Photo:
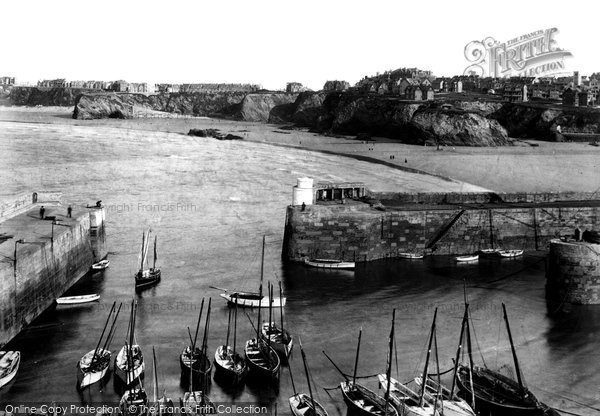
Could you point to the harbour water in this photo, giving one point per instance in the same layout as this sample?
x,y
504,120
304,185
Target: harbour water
x,y
210,202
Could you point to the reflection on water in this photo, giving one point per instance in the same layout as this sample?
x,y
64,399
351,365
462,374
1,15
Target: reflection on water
x,y
210,203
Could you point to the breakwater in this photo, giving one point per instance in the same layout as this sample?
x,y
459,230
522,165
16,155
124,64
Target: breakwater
x,y
436,224
43,258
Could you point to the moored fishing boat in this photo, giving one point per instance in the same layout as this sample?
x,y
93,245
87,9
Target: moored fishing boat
x,y
490,392
74,300
251,299
300,403
277,336
196,368
452,404
230,366
101,265
9,366
359,399
330,264
129,362
147,277
134,402
94,365
197,403
362,401
404,399
263,362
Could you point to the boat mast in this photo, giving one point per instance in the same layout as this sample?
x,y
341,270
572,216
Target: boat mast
x,y
356,360
111,332
281,314
191,360
470,352
514,352
389,366
312,399
206,326
422,398
198,325
103,330
262,264
228,331
154,262
235,327
459,349
439,377
155,390
142,254
270,314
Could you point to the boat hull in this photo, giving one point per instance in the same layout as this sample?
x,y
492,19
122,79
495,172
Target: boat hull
x,y
489,387
198,403
364,402
259,367
101,265
12,359
251,302
86,375
405,400
466,259
282,344
134,402
230,367
410,256
301,403
74,300
201,372
330,264
147,278
122,368
451,406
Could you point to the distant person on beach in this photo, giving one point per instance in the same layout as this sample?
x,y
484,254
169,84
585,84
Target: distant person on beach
x,y
42,211
69,211
98,204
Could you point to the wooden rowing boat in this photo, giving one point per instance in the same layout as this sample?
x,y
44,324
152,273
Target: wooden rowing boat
x,y
9,365
510,253
467,258
73,300
410,256
101,265
330,264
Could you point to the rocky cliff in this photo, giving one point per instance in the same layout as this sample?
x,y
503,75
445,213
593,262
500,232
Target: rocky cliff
x,y
410,122
45,96
236,105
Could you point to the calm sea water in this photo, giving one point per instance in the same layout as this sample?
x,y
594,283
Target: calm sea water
x,y
210,203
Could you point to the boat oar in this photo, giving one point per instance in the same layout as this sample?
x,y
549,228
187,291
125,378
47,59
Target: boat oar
x,y
219,288
336,367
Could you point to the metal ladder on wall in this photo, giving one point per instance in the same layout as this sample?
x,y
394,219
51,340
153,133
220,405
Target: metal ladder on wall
x,y
443,230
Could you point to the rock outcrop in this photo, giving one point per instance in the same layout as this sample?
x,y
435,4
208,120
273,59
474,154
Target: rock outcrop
x,y
258,107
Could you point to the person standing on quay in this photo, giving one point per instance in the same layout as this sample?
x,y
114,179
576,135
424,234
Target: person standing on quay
x,y
69,211
42,211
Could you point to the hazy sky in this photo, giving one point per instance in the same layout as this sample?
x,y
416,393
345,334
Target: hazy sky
x,y
270,42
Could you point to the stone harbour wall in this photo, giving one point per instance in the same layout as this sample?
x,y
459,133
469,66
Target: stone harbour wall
x,y
573,272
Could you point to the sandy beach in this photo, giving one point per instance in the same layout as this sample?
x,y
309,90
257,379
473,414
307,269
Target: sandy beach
x,y
529,166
